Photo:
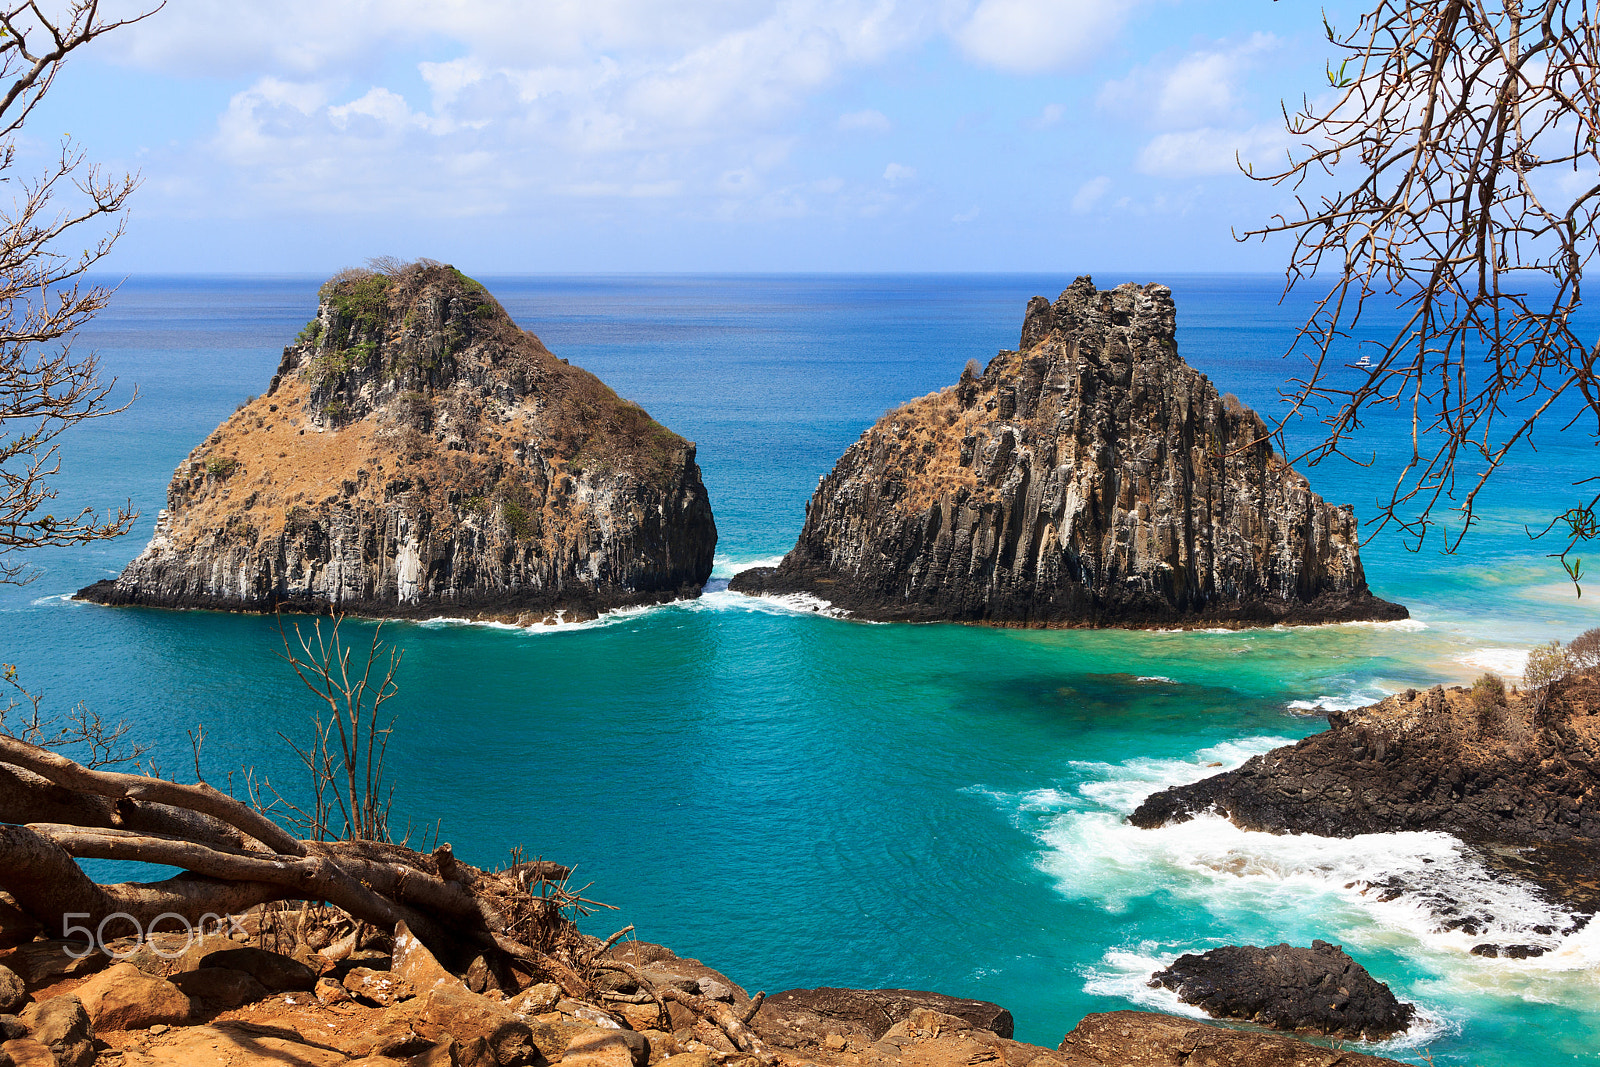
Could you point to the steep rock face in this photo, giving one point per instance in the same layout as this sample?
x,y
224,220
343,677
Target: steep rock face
x,y
1431,760
1091,478
419,454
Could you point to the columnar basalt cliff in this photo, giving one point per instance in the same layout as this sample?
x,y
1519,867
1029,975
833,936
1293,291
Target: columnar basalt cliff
x,y
419,454
1091,478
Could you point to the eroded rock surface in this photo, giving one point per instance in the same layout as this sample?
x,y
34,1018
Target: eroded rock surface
x,y
1319,989
1425,760
1091,478
1517,782
419,454
869,1013
1146,1039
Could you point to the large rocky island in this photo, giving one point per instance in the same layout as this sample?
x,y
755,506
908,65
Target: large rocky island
x,y
1090,478
419,454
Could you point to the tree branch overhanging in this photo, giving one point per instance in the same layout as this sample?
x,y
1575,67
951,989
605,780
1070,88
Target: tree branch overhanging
x,y
1466,135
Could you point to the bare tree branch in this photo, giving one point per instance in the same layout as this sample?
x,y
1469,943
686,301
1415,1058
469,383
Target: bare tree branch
x,y
1471,133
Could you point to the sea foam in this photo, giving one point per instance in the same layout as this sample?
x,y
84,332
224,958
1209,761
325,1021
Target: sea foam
x,y
1423,895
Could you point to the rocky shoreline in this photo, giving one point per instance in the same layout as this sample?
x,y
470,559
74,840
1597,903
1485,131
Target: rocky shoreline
x,y
227,1001
1089,478
1518,783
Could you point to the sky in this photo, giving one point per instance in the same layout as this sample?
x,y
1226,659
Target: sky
x,y
277,136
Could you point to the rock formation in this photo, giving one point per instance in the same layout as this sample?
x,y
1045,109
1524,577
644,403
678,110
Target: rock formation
x,y
1091,478
341,1019
1519,781
419,454
871,1013
1319,990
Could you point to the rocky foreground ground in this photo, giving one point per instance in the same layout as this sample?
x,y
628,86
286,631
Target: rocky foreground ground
x,y
230,1002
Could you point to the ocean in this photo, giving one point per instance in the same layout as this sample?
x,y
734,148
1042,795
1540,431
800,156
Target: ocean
x,y
804,800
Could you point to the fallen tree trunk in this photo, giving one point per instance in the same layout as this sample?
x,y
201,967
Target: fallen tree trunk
x,y
234,858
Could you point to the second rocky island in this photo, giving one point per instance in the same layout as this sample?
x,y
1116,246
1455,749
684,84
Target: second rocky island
x,y
1089,478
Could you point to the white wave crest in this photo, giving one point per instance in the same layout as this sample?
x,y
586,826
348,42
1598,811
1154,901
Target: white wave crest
x,y
1357,698
725,568
1424,895
1404,626
1160,678
1511,661
776,603
557,623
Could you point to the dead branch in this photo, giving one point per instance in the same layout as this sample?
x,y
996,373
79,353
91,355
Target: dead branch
x,y
199,798
1464,137
743,1038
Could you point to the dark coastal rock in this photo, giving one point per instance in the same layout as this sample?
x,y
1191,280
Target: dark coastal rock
x,y
1520,783
1319,990
1145,1039
867,1013
418,454
1092,478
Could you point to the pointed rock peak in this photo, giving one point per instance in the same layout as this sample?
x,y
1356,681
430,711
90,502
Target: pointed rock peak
x,y
1091,478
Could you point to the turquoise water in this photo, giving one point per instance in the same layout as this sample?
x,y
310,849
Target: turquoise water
x,y
803,800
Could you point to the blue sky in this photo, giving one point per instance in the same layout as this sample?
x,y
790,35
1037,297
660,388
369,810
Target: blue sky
x,y
695,135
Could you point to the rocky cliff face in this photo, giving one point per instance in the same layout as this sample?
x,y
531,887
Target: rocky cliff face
x,y
1091,478
1505,774
419,454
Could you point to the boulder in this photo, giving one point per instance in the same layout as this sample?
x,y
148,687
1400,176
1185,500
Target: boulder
x,y
663,967
1319,990
17,927
43,963
598,1047
26,1052
466,1016
278,973
330,992
222,988
13,993
123,997
416,966
11,1027
61,1024
380,988
807,1016
536,999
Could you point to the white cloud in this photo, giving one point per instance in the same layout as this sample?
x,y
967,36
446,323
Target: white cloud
x,y
1052,114
1199,89
520,103
868,121
966,216
1089,194
1194,153
1033,36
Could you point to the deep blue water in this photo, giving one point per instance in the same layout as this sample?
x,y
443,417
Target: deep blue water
x,y
802,800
